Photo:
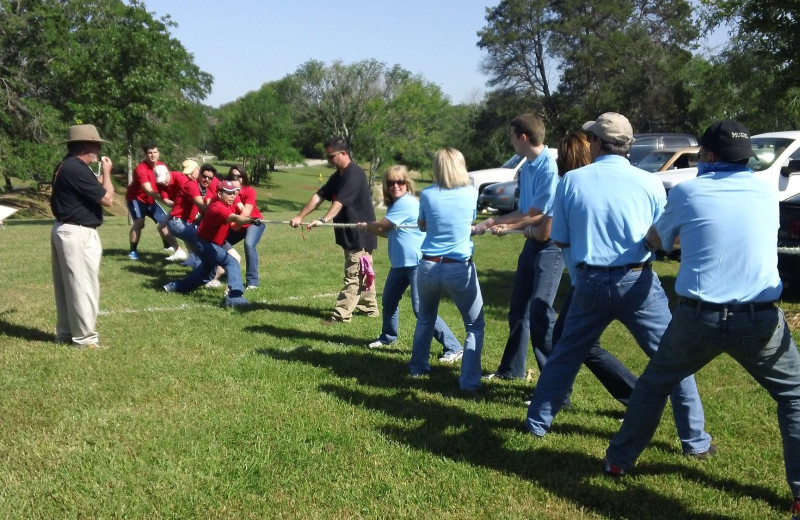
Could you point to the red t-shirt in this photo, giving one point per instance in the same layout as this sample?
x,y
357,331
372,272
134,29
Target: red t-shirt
x,y
214,226
247,195
183,191
143,173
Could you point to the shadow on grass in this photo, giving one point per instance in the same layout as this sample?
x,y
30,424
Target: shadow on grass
x,y
276,205
452,432
15,330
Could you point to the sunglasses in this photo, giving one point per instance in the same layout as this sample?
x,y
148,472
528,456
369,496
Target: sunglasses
x,y
331,156
400,182
209,177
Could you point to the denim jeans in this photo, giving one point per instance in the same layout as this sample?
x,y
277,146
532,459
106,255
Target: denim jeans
x,y
759,341
460,281
531,312
251,235
636,299
610,371
179,228
211,255
397,281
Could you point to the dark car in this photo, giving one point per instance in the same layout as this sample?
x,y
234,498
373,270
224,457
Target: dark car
x,y
789,240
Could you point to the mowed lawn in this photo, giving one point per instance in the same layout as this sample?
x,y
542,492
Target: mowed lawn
x,y
198,411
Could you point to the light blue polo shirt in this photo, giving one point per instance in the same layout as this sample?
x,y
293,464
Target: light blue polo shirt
x,y
728,226
448,216
537,183
404,243
604,210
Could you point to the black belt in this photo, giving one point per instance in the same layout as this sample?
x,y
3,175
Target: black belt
x,y
92,226
445,260
726,307
640,266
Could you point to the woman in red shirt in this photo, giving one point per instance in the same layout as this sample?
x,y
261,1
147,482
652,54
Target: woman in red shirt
x,y
245,205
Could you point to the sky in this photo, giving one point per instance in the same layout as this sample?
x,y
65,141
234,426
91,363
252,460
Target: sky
x,y
246,43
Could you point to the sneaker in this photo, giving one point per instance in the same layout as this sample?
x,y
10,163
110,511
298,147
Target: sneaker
x,y
133,255
379,343
497,375
795,508
333,320
251,288
237,301
451,357
612,470
179,255
527,403
710,452
169,250
214,284
171,287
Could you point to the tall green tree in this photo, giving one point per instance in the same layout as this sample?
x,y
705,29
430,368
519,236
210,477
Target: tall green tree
x,y
257,130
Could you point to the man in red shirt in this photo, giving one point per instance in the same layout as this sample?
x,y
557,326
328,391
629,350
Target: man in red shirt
x,y
141,201
211,236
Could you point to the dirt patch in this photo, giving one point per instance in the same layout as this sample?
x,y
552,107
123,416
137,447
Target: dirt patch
x,y
793,319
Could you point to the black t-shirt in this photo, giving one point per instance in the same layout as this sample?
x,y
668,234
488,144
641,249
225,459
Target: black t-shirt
x,y
77,194
351,189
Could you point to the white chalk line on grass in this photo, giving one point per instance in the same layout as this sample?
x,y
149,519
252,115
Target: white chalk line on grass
x,y
190,306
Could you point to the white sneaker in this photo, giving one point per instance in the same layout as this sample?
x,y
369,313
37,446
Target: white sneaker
x,y
171,287
169,249
178,255
378,343
213,284
452,357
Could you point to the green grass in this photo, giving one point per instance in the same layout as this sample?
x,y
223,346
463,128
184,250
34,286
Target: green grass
x,y
200,411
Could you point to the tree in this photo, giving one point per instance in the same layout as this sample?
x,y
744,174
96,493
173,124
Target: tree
x,y
256,129
336,98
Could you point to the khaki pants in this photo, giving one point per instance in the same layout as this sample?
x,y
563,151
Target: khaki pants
x,y
75,256
353,295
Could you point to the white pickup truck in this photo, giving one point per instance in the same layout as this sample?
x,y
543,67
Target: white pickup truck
x,y
482,178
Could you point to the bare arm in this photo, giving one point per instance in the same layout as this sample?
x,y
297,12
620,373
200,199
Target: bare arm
x,y
105,180
312,204
379,227
652,239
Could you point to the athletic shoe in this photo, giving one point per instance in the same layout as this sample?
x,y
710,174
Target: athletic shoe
x,y
171,287
379,343
451,357
710,452
133,255
251,288
611,470
169,249
178,255
496,375
214,284
795,508
237,301
333,320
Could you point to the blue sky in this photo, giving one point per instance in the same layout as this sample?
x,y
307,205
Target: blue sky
x,y
246,43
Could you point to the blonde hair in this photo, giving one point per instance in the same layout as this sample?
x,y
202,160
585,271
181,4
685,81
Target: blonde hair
x,y
450,169
395,171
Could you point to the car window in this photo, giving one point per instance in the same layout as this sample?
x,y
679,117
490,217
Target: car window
x,y
513,162
653,161
676,141
686,160
767,150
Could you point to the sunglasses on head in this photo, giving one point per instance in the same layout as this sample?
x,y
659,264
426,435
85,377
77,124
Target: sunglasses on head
x,y
400,182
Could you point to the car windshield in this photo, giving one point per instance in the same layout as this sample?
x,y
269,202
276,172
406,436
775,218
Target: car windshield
x,y
653,161
513,162
767,150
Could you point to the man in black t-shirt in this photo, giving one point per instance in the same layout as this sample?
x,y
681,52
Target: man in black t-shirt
x,y
77,204
351,202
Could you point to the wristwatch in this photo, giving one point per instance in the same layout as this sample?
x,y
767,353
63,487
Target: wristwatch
x,y
322,219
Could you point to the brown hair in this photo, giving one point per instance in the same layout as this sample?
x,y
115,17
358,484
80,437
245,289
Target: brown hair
x,y
573,152
531,125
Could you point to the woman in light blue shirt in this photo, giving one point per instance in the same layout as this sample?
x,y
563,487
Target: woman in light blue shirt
x,y
404,255
447,209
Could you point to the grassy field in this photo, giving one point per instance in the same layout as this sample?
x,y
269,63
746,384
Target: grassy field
x,y
197,411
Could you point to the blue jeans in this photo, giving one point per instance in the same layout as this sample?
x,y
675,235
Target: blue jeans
x,y
531,312
635,298
610,371
251,235
460,280
211,255
759,341
398,279
179,228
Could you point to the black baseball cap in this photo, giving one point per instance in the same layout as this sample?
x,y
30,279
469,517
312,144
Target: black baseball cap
x,y
729,139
